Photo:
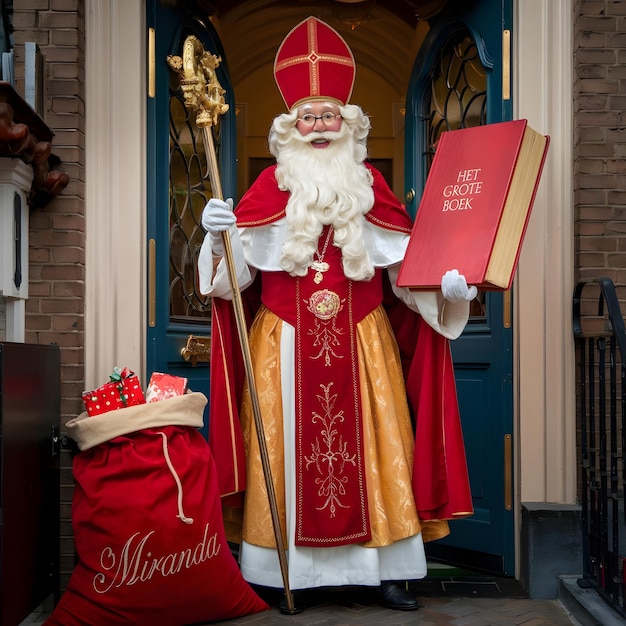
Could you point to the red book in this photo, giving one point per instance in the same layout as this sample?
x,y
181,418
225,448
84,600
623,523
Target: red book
x,y
475,208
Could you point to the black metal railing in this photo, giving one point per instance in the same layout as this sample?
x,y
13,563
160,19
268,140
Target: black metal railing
x,y
601,410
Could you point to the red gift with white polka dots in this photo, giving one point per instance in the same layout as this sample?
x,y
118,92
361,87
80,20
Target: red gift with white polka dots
x,y
122,391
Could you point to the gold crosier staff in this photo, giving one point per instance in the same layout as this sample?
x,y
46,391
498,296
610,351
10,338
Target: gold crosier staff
x,y
204,94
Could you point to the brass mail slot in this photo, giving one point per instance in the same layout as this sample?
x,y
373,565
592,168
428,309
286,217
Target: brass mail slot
x,y
197,350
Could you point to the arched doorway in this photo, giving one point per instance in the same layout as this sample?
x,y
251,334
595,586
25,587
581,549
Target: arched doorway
x,y
386,42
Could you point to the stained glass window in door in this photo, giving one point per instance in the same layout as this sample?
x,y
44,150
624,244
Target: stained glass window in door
x,y
189,191
457,99
458,89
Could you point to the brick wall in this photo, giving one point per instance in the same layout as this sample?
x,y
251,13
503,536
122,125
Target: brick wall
x,y
599,94
600,141
55,308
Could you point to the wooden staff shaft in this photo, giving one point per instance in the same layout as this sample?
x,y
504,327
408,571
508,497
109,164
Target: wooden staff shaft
x,y
242,330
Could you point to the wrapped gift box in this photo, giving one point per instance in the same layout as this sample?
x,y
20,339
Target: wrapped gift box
x,y
123,390
163,386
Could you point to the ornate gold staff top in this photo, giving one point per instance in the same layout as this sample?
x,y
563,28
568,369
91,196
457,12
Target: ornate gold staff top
x,y
204,94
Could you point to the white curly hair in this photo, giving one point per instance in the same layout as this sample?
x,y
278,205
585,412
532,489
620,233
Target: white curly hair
x,y
327,186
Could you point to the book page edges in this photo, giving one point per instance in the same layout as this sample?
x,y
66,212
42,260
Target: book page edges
x,y
517,210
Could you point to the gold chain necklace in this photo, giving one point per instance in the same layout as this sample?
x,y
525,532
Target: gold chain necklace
x,y
319,265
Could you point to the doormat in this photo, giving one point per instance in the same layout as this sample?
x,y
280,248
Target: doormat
x,y
469,586
453,587
472,587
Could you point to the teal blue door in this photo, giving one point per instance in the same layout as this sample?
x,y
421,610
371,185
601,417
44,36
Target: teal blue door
x,y
179,317
457,80
460,79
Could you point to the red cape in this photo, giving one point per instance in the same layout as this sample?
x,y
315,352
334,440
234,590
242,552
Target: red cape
x,y
441,483
265,203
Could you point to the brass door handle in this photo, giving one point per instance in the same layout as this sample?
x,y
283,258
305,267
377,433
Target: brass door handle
x,y
197,350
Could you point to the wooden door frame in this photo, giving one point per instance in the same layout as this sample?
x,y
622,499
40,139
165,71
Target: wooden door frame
x,y
115,209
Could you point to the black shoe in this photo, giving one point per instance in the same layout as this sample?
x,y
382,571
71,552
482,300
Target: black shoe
x,y
298,603
395,597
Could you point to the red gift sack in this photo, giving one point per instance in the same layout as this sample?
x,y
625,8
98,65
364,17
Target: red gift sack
x,y
148,523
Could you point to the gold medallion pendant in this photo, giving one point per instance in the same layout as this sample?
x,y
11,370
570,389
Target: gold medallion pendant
x,y
319,265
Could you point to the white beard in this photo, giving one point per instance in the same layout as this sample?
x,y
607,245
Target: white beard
x,y
327,186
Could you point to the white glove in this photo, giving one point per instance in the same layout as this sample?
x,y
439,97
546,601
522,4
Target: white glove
x,y
217,217
454,287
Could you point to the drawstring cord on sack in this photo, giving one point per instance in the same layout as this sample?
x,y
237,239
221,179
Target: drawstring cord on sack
x,y
166,454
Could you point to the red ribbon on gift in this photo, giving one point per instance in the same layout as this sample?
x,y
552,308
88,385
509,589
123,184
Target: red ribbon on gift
x,y
118,377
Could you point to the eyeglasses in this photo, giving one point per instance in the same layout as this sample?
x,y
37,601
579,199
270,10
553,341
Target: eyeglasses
x,y
328,118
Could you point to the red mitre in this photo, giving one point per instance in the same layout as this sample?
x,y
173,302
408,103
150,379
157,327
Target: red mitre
x,y
314,63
